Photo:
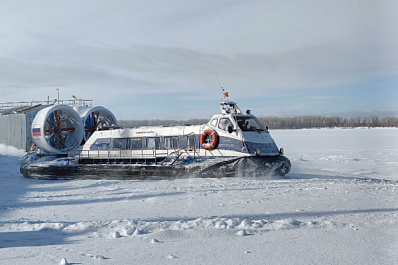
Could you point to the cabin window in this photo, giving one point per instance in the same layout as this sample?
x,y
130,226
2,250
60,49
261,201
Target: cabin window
x,y
136,143
191,141
119,143
224,124
213,122
153,143
101,144
171,142
247,124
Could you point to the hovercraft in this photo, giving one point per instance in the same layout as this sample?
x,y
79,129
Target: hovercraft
x,y
88,143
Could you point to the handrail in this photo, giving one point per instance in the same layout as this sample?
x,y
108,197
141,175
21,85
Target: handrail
x,y
69,102
137,153
127,154
116,153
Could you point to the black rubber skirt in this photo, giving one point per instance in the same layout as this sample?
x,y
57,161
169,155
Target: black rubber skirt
x,y
234,167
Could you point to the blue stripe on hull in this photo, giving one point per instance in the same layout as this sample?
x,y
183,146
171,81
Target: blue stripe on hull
x,y
268,148
227,143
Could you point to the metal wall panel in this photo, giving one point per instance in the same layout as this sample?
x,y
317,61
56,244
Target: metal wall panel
x,y
15,129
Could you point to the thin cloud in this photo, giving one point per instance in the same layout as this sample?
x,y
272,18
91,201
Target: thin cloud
x,y
259,49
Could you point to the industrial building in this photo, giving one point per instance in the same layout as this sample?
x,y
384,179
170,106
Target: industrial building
x,y
16,120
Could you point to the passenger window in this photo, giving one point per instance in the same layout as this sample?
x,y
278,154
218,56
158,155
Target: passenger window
x,y
153,143
224,123
171,142
136,143
191,141
213,122
119,143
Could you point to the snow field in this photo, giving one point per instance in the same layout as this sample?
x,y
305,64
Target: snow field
x,y
357,153
337,206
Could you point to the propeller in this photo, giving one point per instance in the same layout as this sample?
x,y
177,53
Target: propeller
x,y
94,118
58,126
91,124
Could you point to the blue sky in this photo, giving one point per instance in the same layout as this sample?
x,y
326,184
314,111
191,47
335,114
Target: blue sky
x,y
159,59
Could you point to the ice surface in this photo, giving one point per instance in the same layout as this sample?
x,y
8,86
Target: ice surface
x,y
339,205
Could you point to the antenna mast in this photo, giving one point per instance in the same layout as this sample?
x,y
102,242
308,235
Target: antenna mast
x,y
225,94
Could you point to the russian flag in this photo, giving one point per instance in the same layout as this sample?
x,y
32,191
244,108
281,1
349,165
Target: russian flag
x,y
36,132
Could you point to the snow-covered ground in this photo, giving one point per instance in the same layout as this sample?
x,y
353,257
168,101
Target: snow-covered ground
x,y
339,205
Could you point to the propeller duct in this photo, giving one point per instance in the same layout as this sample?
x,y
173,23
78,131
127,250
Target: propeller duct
x,y
95,118
57,129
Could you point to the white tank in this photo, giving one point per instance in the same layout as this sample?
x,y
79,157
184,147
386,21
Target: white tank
x,y
94,118
57,129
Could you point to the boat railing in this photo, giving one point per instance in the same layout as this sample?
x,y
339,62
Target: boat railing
x,y
170,155
111,156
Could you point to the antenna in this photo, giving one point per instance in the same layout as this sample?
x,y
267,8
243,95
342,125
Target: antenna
x,y
225,94
222,89
58,94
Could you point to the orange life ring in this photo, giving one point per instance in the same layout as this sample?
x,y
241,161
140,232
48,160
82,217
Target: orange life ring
x,y
204,140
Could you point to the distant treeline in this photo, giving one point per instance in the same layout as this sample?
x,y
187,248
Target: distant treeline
x,y
299,122
302,122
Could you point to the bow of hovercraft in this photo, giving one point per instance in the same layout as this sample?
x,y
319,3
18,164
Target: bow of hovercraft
x,y
244,142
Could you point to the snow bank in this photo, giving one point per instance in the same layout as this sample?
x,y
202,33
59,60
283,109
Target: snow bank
x,y
11,151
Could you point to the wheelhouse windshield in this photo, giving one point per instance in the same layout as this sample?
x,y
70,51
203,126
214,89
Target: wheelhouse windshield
x,y
248,124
